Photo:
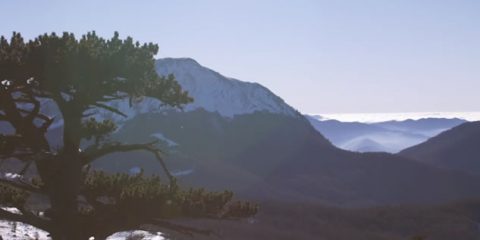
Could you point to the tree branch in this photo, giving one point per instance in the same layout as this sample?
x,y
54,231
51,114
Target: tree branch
x,y
92,155
47,124
20,185
112,97
36,108
3,117
86,115
10,110
39,115
28,97
111,109
35,112
27,218
26,167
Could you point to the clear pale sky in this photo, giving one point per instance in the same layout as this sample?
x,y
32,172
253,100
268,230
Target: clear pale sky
x,y
319,56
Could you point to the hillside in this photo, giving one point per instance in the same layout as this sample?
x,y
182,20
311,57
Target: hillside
x,y
316,222
272,156
456,149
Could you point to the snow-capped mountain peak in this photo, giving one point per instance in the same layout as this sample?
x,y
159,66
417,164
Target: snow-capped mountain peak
x,y
217,93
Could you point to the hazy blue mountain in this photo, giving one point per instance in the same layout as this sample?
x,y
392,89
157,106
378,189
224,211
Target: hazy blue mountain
x,y
457,148
390,136
365,145
272,152
425,126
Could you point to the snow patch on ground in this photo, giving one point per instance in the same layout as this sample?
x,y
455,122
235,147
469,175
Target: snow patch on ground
x,y
16,230
12,176
144,235
20,231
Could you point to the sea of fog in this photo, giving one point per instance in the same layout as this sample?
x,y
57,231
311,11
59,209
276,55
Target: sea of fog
x,y
382,117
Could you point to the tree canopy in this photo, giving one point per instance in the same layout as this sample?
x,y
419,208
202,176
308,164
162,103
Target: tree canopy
x,y
80,76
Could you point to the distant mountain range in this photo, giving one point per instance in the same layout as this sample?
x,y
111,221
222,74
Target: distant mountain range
x,y
389,136
263,149
470,116
242,137
455,149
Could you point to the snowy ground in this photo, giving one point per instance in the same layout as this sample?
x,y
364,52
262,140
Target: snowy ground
x,y
11,230
140,234
19,231
15,230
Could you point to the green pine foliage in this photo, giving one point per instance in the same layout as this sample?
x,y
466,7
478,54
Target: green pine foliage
x,y
12,197
81,75
93,129
149,196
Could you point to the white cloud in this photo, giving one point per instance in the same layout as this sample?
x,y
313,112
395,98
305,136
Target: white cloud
x,y
381,117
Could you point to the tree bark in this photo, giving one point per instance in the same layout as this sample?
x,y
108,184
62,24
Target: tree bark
x,y
65,182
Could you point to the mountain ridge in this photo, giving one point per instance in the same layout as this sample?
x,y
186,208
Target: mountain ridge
x,y
217,93
455,149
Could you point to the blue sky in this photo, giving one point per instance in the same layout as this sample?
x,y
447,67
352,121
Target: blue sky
x,y
319,56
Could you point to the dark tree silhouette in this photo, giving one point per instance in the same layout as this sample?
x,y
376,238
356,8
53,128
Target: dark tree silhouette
x,y
79,76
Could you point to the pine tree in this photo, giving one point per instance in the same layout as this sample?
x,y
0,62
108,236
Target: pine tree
x,y
79,76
